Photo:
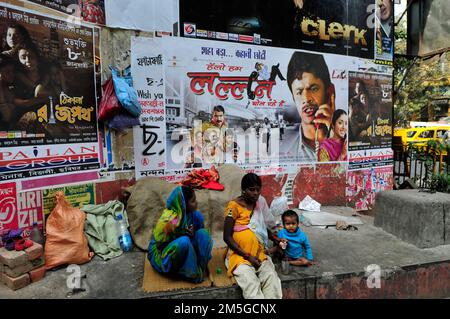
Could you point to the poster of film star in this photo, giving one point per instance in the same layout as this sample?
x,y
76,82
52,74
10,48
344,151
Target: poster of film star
x,y
370,111
48,95
345,27
250,104
88,10
384,27
363,185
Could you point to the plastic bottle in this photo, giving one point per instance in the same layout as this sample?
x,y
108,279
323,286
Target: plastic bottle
x,y
125,241
36,234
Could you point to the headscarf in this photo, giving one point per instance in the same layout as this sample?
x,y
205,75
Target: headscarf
x,y
173,221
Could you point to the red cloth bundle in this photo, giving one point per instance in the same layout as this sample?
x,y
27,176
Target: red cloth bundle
x,y
203,178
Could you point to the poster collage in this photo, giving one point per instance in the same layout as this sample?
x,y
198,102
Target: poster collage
x,y
48,111
298,92
314,106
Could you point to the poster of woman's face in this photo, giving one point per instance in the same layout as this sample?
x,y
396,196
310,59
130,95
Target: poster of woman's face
x,y
51,97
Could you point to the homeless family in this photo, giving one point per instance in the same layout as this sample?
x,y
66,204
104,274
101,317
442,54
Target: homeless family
x,y
181,247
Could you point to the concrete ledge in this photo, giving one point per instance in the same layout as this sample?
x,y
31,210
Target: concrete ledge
x,y
419,218
342,258
414,281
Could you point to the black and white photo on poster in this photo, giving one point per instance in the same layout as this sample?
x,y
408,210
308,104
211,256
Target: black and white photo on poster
x,y
48,120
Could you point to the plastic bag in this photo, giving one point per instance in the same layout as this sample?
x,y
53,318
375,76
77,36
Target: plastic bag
x,y
309,204
109,105
66,242
126,75
279,206
126,93
122,121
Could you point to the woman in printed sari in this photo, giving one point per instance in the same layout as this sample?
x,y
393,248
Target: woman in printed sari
x,y
180,245
247,219
335,148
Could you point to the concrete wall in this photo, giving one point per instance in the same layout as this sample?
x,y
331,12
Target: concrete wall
x,y
417,281
420,218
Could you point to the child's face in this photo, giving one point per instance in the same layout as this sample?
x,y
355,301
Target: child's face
x,y
290,223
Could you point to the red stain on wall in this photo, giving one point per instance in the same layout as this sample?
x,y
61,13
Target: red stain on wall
x,y
272,186
325,183
112,190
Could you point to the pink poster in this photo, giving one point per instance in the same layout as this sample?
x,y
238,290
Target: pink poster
x,y
20,209
363,185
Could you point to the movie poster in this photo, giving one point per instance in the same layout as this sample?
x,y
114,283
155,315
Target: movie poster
x,y
229,103
363,185
87,10
344,27
370,111
371,158
20,209
48,122
384,27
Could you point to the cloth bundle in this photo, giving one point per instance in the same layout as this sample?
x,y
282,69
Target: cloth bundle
x,y
203,178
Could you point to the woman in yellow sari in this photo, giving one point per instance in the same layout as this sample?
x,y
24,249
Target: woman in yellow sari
x,y
247,219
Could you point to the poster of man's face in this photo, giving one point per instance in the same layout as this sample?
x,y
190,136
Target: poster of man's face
x,y
384,43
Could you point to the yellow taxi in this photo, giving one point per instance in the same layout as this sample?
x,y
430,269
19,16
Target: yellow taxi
x,y
419,136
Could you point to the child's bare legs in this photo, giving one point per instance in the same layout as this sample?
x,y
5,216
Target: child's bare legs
x,y
300,262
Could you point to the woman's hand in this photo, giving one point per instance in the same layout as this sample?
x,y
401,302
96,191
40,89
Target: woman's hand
x,y
343,155
254,261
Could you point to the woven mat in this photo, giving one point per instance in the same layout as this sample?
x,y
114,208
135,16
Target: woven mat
x,y
155,282
217,262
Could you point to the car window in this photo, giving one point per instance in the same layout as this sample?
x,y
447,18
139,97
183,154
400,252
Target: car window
x,y
411,134
440,133
426,134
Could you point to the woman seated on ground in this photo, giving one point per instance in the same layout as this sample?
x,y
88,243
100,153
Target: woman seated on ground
x,y
180,245
245,232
